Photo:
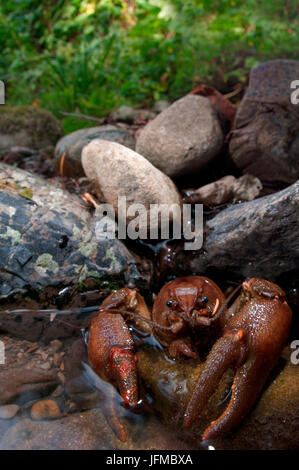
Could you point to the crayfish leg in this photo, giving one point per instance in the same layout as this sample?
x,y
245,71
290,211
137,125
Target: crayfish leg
x,y
182,347
116,299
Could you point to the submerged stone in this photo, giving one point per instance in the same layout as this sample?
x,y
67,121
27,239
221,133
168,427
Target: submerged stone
x,y
272,423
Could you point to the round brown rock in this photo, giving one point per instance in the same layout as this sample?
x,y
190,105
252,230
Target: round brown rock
x,y
184,138
47,409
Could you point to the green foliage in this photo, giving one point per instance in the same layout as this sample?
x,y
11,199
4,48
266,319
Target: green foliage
x,y
90,56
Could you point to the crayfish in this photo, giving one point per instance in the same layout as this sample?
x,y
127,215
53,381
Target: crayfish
x,y
188,314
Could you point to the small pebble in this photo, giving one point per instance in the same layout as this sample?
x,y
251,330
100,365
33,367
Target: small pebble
x,y
45,366
56,344
42,353
8,411
47,409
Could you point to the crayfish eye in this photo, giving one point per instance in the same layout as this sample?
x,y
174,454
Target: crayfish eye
x,y
169,303
205,300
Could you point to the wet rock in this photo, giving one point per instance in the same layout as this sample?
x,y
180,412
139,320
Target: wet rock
x,y
46,409
257,238
89,431
8,411
271,424
265,141
48,239
24,385
129,115
28,126
118,171
182,139
73,144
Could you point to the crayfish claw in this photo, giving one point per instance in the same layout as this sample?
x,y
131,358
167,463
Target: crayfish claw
x,y
228,351
246,387
111,355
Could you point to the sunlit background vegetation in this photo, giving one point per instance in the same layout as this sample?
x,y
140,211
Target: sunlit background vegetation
x,y
91,56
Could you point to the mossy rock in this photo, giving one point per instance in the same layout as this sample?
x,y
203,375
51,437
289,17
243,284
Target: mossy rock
x,y
49,240
28,126
271,424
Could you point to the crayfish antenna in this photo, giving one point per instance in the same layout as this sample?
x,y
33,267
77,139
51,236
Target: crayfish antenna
x,y
228,351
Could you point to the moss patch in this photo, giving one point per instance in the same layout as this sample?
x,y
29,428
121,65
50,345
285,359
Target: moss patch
x,y
41,125
14,235
45,262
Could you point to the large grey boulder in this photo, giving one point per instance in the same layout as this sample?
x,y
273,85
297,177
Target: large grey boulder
x,y
49,239
257,238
